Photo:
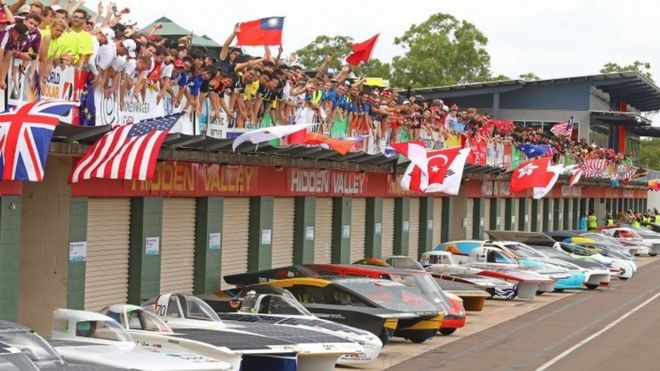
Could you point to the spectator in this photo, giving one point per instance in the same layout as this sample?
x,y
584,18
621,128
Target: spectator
x,y
78,42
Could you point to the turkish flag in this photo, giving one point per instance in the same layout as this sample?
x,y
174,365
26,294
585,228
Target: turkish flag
x,y
439,162
418,178
537,174
264,31
362,51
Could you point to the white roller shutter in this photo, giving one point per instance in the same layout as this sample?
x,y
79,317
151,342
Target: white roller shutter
x,y
358,225
540,216
177,259
235,224
515,208
414,228
469,214
387,247
486,216
528,210
106,275
437,221
323,238
283,216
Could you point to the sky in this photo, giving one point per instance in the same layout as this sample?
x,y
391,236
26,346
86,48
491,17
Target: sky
x,y
557,38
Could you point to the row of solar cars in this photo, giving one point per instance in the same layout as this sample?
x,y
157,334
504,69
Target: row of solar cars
x,y
311,317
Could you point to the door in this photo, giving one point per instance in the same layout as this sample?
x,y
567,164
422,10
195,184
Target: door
x,y
177,259
486,218
323,240
388,227
235,223
283,216
106,276
358,225
469,216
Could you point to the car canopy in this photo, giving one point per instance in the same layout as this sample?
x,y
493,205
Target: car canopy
x,y
529,238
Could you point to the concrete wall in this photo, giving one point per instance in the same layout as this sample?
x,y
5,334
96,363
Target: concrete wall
x,y
653,199
44,246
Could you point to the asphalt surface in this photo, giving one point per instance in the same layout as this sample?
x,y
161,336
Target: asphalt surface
x,y
615,328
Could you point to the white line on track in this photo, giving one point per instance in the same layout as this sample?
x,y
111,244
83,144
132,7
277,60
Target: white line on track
x,y
570,350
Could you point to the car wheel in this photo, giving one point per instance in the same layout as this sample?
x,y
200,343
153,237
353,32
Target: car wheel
x,y
417,339
559,290
384,336
623,278
591,286
652,254
447,331
540,292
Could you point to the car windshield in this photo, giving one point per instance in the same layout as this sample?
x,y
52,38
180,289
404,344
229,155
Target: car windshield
x,y
16,362
404,263
438,259
575,249
426,285
105,330
198,309
285,304
34,347
137,318
523,251
551,252
599,237
391,295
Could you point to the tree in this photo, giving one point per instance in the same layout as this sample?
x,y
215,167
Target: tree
x,y
499,77
337,47
529,76
650,153
441,51
375,68
642,67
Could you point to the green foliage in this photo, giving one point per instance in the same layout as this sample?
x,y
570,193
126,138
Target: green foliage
x,y
441,51
337,47
650,153
642,67
529,76
499,78
375,68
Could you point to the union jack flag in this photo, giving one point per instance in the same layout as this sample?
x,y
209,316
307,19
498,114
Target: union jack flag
x,y
25,135
564,129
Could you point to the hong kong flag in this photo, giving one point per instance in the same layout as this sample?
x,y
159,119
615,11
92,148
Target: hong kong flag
x,y
538,174
264,31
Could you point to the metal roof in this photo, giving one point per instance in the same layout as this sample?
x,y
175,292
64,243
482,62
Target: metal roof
x,y
631,87
625,118
646,131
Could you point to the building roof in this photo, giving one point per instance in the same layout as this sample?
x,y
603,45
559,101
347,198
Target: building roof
x,y
632,87
624,118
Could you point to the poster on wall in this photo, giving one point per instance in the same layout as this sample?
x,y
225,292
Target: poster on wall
x,y
152,246
309,233
214,241
77,251
266,236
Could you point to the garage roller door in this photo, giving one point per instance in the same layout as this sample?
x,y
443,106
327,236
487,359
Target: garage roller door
x,y
235,223
503,215
323,238
106,278
178,252
388,227
358,225
437,221
469,214
415,226
486,217
283,215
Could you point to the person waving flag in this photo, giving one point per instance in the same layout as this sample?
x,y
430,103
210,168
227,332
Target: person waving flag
x,y
264,31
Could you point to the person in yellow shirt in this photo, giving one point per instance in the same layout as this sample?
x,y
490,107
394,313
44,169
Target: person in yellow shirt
x,y
77,42
50,50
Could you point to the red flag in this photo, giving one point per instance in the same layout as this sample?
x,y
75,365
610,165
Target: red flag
x,y
264,31
339,145
362,51
437,164
531,174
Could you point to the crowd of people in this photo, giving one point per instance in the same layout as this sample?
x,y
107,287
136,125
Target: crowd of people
x,y
246,91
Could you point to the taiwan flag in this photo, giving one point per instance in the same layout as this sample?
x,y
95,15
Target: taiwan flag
x,y
264,31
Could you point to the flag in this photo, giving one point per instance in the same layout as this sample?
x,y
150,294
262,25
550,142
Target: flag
x,y
362,51
414,151
593,168
266,134
540,192
25,135
627,174
531,174
575,177
451,183
565,128
126,152
339,145
534,150
264,31
438,163
87,105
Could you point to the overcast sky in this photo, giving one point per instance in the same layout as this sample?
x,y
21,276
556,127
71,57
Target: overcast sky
x,y
555,38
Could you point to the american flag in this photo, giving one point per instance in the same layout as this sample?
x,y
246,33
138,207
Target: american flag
x,y
127,152
627,174
25,135
564,129
593,168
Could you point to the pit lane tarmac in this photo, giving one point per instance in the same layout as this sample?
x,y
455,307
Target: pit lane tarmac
x,y
606,329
